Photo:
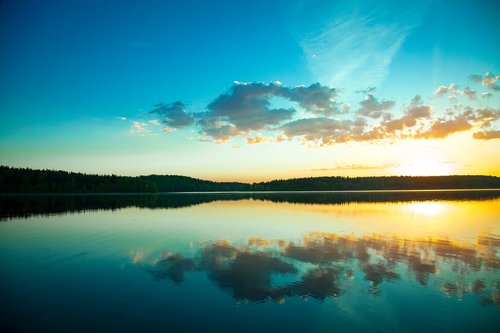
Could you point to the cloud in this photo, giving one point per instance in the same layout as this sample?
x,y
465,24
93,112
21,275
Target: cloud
x,y
345,107
313,115
350,43
417,110
462,121
486,135
258,139
248,272
326,130
139,128
486,116
471,94
247,107
443,90
173,115
489,80
453,92
373,108
355,167
316,99
442,128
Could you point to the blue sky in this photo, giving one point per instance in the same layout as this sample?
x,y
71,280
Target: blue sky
x,y
79,79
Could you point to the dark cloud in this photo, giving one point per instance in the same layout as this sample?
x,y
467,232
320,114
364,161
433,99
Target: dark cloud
x,y
247,107
326,130
373,108
316,99
173,115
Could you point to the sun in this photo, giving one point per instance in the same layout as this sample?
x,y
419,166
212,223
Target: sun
x,y
423,164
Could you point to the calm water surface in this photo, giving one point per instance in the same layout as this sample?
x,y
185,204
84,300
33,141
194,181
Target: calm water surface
x,y
293,262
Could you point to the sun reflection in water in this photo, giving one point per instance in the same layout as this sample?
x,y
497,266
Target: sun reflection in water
x,y
427,208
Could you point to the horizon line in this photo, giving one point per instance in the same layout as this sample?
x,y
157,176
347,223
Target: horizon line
x,y
250,183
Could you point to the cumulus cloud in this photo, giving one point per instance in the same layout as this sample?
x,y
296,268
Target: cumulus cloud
x,y
417,110
487,135
373,108
173,115
463,121
316,98
441,128
328,131
441,90
247,107
471,94
325,129
249,110
453,92
489,80
417,122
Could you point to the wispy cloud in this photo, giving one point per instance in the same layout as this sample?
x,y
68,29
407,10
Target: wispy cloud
x,y
351,43
339,167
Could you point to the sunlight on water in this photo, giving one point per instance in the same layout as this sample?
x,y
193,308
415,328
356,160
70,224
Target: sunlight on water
x,y
340,262
429,208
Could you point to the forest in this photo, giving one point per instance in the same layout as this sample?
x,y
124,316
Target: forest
x,y
23,180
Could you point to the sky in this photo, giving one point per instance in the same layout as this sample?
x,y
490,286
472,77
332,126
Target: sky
x,y
251,90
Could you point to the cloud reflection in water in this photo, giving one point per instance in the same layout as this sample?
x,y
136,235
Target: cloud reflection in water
x,y
326,265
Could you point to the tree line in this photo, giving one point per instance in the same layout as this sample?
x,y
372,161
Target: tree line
x,y
24,180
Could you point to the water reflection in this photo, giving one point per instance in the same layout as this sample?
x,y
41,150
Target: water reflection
x,y
328,265
12,206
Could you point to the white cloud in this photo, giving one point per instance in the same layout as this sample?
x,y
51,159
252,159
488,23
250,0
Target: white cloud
x,y
139,128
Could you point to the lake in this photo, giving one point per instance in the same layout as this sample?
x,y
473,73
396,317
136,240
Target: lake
x,y
423,261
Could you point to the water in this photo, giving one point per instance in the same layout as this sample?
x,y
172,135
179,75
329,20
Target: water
x,y
275,262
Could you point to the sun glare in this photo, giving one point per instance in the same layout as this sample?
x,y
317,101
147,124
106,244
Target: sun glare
x,y
425,165
428,209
